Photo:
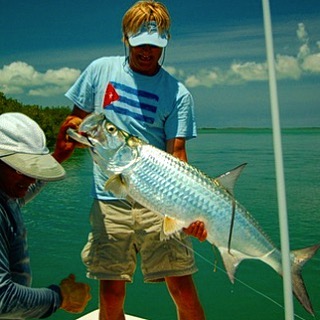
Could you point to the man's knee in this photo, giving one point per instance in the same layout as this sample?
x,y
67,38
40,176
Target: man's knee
x,y
112,289
181,287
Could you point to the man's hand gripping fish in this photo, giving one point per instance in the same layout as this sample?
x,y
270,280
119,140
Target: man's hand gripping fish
x,y
183,194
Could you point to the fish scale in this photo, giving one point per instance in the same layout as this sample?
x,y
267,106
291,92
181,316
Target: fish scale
x,y
171,187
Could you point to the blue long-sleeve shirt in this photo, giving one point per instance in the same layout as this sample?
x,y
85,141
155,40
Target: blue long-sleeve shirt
x,y
17,299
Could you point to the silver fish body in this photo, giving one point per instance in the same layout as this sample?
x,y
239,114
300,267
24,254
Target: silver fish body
x,y
183,194
174,188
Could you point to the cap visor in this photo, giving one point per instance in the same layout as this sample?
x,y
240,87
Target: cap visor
x,y
4,153
153,39
37,166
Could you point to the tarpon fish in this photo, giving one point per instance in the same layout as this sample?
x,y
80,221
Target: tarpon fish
x,y
183,194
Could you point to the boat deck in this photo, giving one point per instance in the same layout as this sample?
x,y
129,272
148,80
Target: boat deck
x,y
94,315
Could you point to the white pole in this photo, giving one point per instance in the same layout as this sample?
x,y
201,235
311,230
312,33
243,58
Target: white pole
x,y
281,192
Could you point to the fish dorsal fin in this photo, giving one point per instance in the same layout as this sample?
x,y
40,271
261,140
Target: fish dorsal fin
x,y
229,179
117,186
172,225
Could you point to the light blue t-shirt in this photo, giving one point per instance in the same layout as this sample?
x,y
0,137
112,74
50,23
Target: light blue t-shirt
x,y
154,108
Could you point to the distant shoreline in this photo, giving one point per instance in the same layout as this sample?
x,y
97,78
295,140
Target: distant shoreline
x,y
257,130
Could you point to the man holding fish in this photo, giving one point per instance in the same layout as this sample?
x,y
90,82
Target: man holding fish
x,y
140,97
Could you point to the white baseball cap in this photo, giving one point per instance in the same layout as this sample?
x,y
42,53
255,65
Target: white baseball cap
x,y
149,34
23,147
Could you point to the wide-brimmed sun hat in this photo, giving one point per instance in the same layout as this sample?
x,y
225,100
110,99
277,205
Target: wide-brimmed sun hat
x,y
148,34
23,147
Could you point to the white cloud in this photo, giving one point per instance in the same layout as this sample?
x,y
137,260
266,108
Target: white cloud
x,y
193,81
302,33
48,91
250,71
287,67
312,63
179,73
64,76
206,78
19,77
18,74
304,51
12,89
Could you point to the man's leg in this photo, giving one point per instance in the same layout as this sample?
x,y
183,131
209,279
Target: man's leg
x,y
112,295
185,296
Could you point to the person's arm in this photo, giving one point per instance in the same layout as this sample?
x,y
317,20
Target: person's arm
x,y
177,147
63,149
64,144
17,300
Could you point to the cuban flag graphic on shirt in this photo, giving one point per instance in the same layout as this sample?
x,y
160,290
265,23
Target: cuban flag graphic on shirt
x,y
138,104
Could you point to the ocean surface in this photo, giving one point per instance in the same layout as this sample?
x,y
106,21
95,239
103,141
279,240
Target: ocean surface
x,y
58,224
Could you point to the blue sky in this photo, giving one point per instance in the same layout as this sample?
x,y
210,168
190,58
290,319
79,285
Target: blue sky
x,y
217,50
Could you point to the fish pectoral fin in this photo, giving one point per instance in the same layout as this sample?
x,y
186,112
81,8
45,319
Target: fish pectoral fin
x,y
229,179
117,186
172,225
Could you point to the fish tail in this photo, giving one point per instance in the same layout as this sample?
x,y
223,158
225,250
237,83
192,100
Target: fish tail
x,y
300,257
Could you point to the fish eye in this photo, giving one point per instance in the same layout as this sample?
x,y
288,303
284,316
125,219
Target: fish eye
x,y
111,128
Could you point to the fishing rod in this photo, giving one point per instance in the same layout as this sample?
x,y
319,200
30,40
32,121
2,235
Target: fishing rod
x,y
282,207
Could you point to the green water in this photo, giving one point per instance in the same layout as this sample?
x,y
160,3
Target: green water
x,y
57,222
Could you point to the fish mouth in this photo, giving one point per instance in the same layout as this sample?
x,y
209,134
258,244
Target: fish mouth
x,y
85,133
80,137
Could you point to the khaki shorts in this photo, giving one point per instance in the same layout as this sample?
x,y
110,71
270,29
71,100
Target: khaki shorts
x,y
121,230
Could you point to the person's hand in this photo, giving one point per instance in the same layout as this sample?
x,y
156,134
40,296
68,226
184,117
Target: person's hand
x,y
75,295
197,229
64,144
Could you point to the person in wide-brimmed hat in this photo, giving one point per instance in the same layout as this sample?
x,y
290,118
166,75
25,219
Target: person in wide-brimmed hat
x,y
25,163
